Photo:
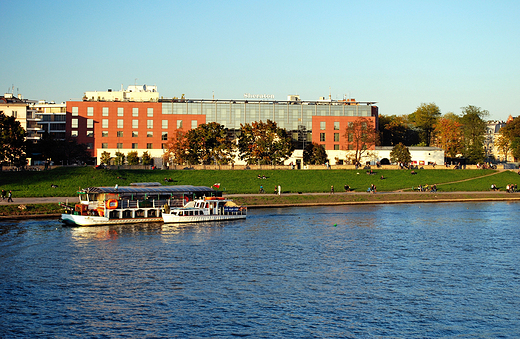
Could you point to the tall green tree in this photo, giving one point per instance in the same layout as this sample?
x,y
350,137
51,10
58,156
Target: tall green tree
x,y
474,131
264,143
400,154
209,144
425,117
12,141
395,129
314,154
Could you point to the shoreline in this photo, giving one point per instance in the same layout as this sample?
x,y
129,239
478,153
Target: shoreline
x,y
258,201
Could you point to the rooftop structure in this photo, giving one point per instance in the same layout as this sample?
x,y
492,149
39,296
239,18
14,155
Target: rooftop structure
x,y
137,93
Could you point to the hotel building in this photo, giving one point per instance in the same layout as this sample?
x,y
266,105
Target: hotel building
x,y
136,119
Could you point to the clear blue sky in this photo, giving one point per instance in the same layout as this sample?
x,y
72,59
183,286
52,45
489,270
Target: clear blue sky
x,y
398,53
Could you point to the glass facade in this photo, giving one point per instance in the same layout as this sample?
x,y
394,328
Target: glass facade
x,y
288,115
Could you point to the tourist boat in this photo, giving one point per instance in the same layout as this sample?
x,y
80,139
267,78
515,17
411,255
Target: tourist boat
x,y
137,203
205,209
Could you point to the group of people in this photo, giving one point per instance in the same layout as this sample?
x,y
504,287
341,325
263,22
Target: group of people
x,y
510,188
9,196
372,189
427,188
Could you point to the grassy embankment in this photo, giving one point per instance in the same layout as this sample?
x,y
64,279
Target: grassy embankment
x,y
69,180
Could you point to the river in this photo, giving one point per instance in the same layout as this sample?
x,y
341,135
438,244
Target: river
x,y
401,271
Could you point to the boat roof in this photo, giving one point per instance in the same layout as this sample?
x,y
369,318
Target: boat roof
x,y
155,189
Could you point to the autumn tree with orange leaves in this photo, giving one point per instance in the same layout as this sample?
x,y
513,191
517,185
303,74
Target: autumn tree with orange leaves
x,y
449,135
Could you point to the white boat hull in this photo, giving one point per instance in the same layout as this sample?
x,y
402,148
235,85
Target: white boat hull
x,y
87,220
178,219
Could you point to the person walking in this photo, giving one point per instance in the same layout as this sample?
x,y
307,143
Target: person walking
x,y
3,194
10,197
332,189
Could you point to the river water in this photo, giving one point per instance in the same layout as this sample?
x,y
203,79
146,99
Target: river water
x,y
398,271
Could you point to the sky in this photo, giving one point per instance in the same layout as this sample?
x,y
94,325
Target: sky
x,y
399,54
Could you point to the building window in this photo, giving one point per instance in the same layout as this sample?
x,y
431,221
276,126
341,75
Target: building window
x,y
350,124
120,111
90,111
119,145
135,123
135,134
75,111
164,146
90,145
322,125
149,134
350,147
90,134
336,125
149,146
179,124
104,145
134,145
336,137
336,147
149,124
119,123
74,123
74,134
135,111
105,111
149,112
350,137
104,123
104,134
165,124
164,136
90,123
322,136
119,134
194,124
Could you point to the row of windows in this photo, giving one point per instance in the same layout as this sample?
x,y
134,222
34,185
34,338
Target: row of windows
x,y
120,134
135,123
134,145
120,111
323,125
336,137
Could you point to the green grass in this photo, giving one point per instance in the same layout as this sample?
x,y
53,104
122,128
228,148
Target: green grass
x,y
70,180
30,209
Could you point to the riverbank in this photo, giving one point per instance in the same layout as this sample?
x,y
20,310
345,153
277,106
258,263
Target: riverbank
x,y
28,208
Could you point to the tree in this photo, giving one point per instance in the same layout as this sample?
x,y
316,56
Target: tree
x,y
361,136
209,144
132,158
449,136
120,158
146,159
12,141
395,129
509,139
474,131
264,143
425,118
314,154
105,158
177,149
400,154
